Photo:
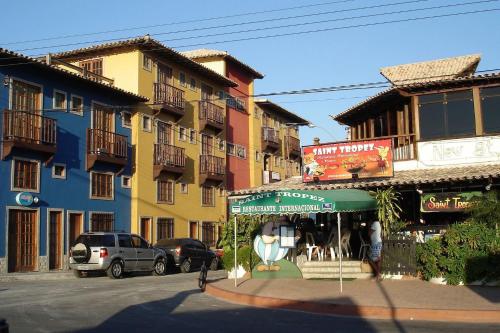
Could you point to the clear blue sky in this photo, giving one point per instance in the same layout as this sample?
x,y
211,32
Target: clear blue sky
x,y
330,58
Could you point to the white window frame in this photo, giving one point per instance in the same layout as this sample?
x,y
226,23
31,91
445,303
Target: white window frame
x,y
145,65
123,119
145,116
221,145
71,109
187,188
54,171
123,177
173,192
185,133
65,107
112,186
17,189
193,138
214,204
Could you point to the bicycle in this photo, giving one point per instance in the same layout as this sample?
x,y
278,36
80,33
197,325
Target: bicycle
x,y
202,280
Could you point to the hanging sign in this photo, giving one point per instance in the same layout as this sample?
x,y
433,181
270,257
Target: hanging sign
x,y
359,159
448,201
24,199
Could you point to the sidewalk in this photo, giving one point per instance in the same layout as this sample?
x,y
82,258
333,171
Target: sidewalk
x,y
36,276
389,299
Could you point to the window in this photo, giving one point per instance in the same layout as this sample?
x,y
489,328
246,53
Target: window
x,y
222,192
164,228
184,188
241,151
192,136
165,191
59,171
257,156
446,115
146,123
101,185
222,145
139,243
207,196
230,149
192,84
221,95
182,79
124,240
208,233
147,62
182,133
25,175
59,100
490,107
126,182
76,105
126,119
256,113
102,222
94,66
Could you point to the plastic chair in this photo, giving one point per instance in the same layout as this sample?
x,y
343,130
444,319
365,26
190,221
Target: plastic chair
x,y
332,240
364,246
311,246
345,243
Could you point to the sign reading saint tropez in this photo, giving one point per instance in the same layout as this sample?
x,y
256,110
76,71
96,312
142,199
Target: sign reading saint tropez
x,y
298,201
448,201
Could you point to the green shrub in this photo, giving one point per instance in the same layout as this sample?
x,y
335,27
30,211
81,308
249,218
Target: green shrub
x,y
428,258
246,258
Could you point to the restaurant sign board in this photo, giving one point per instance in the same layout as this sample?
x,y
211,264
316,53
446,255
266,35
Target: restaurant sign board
x,y
347,160
448,201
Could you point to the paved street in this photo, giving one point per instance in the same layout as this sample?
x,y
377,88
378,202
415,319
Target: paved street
x,y
153,304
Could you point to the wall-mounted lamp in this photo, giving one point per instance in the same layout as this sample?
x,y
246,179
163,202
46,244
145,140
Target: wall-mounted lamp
x,y
419,191
6,80
490,182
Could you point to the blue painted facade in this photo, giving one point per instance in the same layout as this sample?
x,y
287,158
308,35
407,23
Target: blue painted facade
x,y
72,193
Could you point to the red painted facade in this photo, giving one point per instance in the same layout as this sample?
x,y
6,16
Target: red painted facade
x,y
237,129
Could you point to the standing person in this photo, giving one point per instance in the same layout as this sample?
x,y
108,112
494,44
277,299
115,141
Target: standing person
x,y
375,233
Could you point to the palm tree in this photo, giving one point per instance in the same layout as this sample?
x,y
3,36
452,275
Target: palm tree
x,y
388,208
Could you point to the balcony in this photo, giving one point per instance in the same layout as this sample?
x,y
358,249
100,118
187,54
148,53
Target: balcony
x,y
169,159
106,147
211,116
212,168
404,147
28,131
169,99
292,146
270,139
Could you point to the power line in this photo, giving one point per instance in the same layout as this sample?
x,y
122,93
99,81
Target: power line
x,y
182,22
229,25
337,28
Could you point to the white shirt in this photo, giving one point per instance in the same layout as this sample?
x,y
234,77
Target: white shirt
x,y
376,236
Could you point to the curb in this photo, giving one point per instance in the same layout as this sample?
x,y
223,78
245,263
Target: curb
x,y
370,312
36,276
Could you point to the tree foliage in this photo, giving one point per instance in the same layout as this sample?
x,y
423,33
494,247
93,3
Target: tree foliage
x,y
388,208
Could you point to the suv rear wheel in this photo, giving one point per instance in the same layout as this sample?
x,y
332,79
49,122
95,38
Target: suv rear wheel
x,y
115,270
160,267
186,266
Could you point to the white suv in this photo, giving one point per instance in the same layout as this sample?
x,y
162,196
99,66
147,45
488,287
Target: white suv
x,y
115,253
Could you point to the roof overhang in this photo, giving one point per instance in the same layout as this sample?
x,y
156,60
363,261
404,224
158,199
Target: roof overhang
x,y
271,106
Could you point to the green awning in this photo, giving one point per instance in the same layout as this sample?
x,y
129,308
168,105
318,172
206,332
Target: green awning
x,y
297,201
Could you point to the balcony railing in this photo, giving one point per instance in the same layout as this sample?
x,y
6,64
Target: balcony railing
x,y
404,147
80,70
211,115
270,134
106,147
168,158
292,145
28,130
170,97
212,168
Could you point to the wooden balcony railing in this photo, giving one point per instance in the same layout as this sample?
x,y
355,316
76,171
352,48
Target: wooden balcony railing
x,y
292,145
270,134
404,147
80,70
212,168
211,115
28,130
169,97
106,147
168,158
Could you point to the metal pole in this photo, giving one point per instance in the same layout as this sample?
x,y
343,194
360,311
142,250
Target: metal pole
x,y
235,255
340,250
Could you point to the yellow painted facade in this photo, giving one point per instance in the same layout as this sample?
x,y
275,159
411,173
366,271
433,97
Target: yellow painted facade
x,y
130,72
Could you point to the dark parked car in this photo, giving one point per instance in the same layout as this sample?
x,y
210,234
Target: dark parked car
x,y
188,254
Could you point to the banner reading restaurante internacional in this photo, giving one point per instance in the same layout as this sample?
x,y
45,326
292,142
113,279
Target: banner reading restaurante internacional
x,y
366,159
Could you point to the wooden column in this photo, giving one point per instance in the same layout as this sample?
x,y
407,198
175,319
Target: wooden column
x,y
416,119
478,114
372,127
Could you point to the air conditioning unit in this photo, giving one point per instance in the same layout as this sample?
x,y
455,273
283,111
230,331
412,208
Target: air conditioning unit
x,y
101,150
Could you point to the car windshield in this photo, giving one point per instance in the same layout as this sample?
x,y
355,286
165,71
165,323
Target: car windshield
x,y
96,240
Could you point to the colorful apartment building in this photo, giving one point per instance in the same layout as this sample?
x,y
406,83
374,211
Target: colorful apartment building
x,y
262,137
178,181
239,104
65,162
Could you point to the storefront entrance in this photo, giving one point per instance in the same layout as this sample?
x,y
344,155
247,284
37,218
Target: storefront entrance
x,y
55,240
22,240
